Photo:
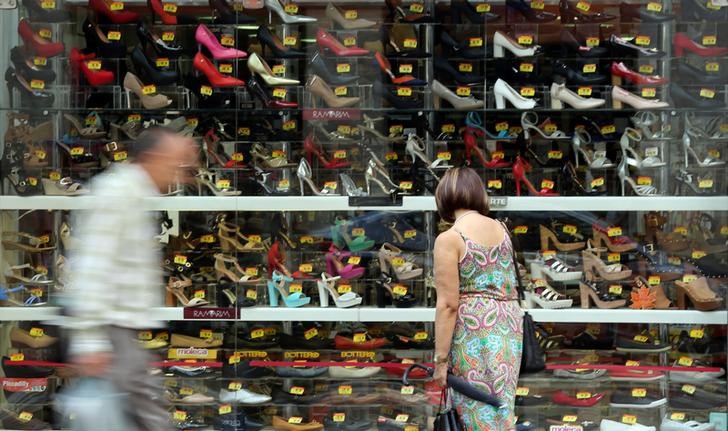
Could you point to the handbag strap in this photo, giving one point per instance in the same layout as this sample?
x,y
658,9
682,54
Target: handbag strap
x,y
514,258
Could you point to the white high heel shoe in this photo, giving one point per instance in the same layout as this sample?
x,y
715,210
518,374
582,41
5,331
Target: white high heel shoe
x,y
259,66
560,95
460,103
638,189
502,40
688,135
350,187
671,425
620,95
503,91
278,8
327,287
304,175
636,160
595,159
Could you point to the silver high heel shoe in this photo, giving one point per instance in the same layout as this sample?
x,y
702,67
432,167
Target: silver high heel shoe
x,y
650,161
594,159
350,187
304,176
691,135
416,149
277,7
529,122
644,120
370,176
218,186
639,190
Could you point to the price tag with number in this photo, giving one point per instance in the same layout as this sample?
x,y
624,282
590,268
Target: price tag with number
x,y
629,419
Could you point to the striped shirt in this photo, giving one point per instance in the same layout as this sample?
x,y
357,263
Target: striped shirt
x,y
116,275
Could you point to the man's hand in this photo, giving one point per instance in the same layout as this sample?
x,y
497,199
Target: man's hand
x,y
93,364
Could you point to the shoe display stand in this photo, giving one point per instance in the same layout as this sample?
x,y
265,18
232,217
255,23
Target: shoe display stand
x,y
600,139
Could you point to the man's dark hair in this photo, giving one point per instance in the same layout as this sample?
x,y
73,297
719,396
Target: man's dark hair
x,y
148,140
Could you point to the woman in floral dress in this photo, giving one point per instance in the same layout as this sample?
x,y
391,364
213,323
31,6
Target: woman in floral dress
x,y
479,321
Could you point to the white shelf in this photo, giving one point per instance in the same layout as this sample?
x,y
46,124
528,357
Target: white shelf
x,y
409,203
418,314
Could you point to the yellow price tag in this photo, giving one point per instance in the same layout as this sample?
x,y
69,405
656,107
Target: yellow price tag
x,y
677,416
555,154
417,8
592,41
407,390
589,68
289,41
40,61
688,389
710,40
179,415
48,4
639,392
345,390
647,68
629,419
235,386
525,67
697,333
295,419
36,332
649,92
642,40
583,6
406,185
654,7
641,338
37,84
475,42
399,290
120,156
349,41
583,395
697,254
653,280
614,257
632,363
225,409
463,91
279,92
569,418
482,8
405,68
410,43
180,259
404,91
707,93
584,91
117,5
528,91
448,128
25,416
689,278
360,337
338,417
401,417
444,155
547,184
685,361
537,4
522,391
114,35
525,39
712,66
291,8
257,333
168,36
495,184
615,289
465,67
421,336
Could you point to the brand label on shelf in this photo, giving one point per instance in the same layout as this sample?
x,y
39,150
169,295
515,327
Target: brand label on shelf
x,y
211,313
358,353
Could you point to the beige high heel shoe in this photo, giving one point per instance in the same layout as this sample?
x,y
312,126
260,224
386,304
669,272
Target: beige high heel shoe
x,y
228,235
259,66
620,96
460,103
347,20
260,153
699,293
206,179
321,89
392,261
90,132
132,84
18,272
27,242
176,286
593,262
235,273
63,187
69,242
25,338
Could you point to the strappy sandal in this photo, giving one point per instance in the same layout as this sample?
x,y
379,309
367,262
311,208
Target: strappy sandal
x,y
555,269
591,258
177,285
260,153
392,261
529,121
228,235
236,274
131,129
539,292
31,301
27,242
95,131
340,236
64,187
17,272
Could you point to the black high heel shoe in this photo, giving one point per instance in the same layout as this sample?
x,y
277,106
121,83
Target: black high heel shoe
x,y
681,98
688,73
621,48
96,41
24,65
319,67
162,48
575,77
397,102
11,168
145,69
218,99
39,14
385,289
462,49
460,8
569,44
29,97
442,65
260,92
573,186
531,14
224,14
276,46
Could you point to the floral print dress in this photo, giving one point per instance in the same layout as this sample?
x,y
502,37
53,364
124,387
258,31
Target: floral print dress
x,y
487,342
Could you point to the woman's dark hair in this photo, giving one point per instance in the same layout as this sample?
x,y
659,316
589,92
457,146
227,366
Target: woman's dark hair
x,y
460,188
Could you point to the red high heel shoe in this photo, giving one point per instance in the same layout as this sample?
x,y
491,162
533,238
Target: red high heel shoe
x,y
217,79
93,74
619,71
471,146
157,8
311,148
42,47
113,10
326,40
682,42
217,155
276,262
520,167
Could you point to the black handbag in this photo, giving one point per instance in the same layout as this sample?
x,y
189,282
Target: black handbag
x,y
448,420
532,357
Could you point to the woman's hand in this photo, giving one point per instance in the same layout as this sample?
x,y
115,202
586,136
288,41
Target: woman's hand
x,y
440,376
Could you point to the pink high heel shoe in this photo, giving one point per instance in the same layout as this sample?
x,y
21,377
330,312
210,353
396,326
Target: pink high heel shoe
x,y
206,38
335,265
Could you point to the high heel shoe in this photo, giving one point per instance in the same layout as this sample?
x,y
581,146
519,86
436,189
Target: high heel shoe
x,y
215,77
694,184
176,287
215,153
682,98
520,168
396,101
304,175
279,50
234,272
461,49
594,159
327,41
645,13
403,41
638,189
689,73
608,236
560,238
391,261
589,291
259,66
370,176
460,8
261,93
369,128
163,48
415,147
217,187
29,97
146,70
91,69
471,146
90,132
386,67
158,10
443,65
228,235
530,14
401,296
311,148
621,48
318,88
97,42
223,13
350,187
688,135
569,43
63,187
318,66
39,13
577,77
40,46
474,121
700,294
529,122
277,7
261,156
631,157
591,258
278,289
502,41
327,288
460,103
682,42
399,14
503,92
619,71
335,265
149,100
206,38
582,13
560,95
646,297
24,65
345,21
113,11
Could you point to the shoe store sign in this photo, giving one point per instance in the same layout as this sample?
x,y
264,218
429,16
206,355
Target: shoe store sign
x,y
212,313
